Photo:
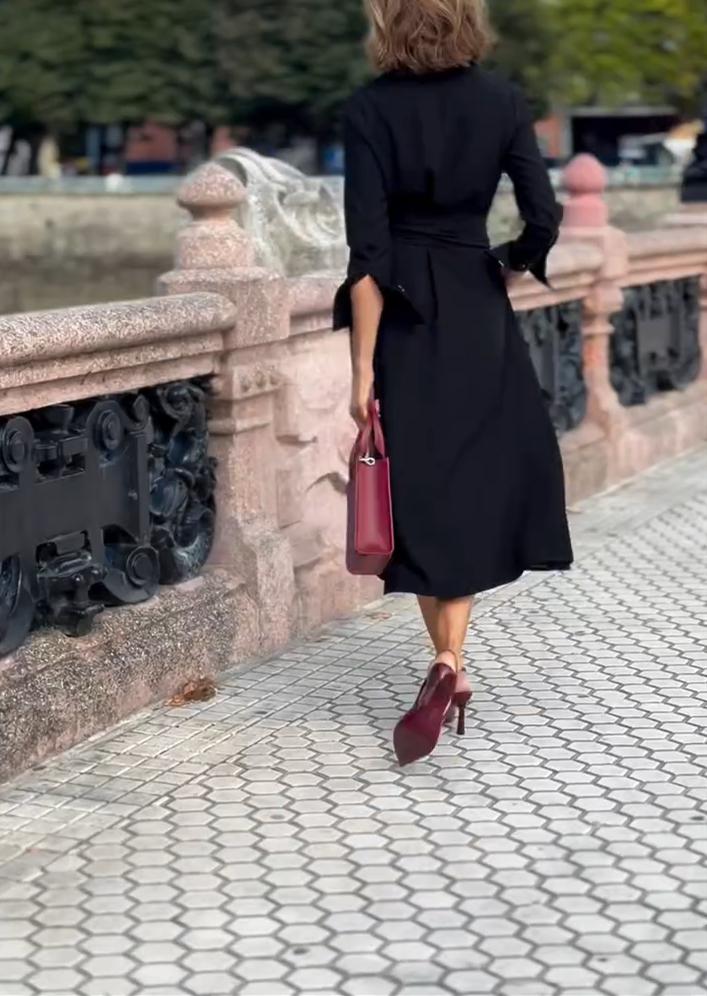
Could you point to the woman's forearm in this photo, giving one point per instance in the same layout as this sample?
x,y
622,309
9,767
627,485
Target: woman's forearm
x,y
367,305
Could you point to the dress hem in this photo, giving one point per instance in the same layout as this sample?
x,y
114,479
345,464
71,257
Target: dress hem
x,y
392,588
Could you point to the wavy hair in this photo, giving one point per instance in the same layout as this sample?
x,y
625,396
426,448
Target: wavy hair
x,y
423,36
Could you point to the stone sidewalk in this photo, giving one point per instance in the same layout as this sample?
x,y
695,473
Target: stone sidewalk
x,y
265,843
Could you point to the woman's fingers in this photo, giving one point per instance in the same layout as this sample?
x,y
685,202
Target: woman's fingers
x,y
359,413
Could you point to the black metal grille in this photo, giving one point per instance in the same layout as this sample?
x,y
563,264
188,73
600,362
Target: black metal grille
x,y
100,502
656,341
554,338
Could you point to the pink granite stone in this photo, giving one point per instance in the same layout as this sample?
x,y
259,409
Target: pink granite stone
x,y
213,239
210,187
585,180
35,336
55,690
48,357
59,389
688,215
616,442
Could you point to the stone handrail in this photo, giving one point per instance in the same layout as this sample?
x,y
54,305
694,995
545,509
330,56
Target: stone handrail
x,y
47,357
667,254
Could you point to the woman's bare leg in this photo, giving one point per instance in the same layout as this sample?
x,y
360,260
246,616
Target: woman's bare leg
x,y
429,607
447,622
453,617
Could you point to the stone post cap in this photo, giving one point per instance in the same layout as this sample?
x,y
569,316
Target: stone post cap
x,y
585,180
211,188
213,240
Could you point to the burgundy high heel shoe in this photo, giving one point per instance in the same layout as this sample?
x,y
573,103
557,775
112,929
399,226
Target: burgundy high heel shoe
x,y
463,694
417,733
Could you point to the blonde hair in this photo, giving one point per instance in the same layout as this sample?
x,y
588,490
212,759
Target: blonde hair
x,y
427,35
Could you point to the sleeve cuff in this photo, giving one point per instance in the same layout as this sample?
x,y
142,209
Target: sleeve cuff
x,y
504,253
395,300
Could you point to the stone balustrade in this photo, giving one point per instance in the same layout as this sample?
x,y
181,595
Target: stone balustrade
x,y
618,342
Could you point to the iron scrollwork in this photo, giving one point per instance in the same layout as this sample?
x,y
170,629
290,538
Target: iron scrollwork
x,y
554,339
182,482
101,502
656,341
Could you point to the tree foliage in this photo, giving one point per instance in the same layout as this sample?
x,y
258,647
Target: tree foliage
x,y
41,54
102,62
66,63
617,51
300,59
527,36
149,59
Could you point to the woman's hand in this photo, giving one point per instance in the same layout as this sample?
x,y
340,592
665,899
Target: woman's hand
x,y
361,391
512,277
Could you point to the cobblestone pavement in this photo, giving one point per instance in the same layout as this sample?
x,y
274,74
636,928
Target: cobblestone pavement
x,y
265,842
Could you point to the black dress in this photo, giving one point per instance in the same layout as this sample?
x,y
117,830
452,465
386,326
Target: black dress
x,y
477,478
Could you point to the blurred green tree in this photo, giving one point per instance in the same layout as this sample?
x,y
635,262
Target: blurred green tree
x,y
40,57
293,62
527,35
149,59
101,62
614,51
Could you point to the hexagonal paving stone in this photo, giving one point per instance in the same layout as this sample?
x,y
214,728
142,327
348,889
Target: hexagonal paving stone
x,y
465,983
14,970
205,939
108,966
116,986
55,980
362,964
212,984
315,980
368,985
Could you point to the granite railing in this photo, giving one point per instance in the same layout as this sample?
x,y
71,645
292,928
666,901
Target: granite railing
x,y
113,488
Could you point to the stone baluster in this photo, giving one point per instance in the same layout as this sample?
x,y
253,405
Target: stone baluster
x,y
215,254
587,219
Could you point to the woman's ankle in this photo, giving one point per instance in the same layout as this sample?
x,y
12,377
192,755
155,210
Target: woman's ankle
x,y
450,658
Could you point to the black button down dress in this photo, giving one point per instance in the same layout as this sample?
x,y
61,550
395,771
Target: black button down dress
x,y
477,477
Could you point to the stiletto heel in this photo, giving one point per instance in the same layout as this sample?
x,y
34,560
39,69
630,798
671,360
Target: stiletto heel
x,y
461,720
417,733
463,694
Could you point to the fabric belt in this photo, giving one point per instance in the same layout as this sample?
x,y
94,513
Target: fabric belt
x,y
473,237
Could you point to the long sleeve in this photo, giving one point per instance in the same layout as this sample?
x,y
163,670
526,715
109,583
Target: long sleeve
x,y
535,197
367,223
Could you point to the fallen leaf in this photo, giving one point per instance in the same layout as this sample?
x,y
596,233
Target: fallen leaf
x,y
200,690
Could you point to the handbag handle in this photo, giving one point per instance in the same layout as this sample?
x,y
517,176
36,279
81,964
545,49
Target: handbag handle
x,y
371,436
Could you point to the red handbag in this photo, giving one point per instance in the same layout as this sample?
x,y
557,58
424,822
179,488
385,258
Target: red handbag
x,y
370,541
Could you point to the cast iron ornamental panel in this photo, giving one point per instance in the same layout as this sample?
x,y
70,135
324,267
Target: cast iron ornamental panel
x,y
100,502
656,341
554,338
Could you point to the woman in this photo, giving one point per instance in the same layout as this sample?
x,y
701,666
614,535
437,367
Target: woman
x,y
477,478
